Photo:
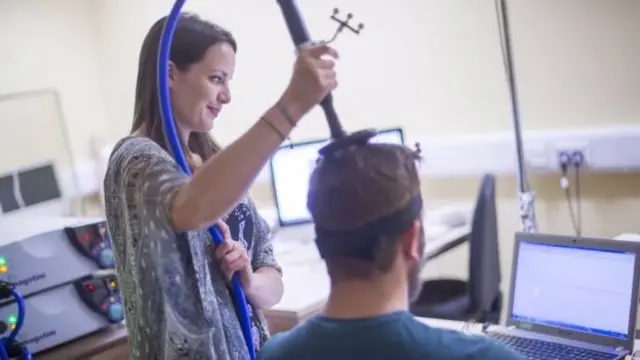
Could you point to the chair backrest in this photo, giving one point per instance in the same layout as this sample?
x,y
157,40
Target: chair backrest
x,y
484,254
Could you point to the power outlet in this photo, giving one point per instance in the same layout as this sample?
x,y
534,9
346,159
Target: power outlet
x,y
578,158
571,158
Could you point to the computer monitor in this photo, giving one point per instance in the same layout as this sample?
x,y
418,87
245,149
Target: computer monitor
x,y
291,168
579,288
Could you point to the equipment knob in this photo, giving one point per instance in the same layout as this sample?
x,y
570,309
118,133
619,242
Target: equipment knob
x,y
106,259
114,313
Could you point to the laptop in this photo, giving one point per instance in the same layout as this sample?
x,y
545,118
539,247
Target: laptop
x,y
290,169
572,298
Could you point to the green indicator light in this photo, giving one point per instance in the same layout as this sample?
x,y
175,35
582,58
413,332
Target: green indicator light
x,y
3,261
12,319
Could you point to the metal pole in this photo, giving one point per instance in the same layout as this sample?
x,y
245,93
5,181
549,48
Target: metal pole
x,y
525,195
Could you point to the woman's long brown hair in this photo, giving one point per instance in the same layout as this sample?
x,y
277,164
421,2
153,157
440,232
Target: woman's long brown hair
x,y
191,40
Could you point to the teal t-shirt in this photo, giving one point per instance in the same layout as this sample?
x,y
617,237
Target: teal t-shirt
x,y
388,337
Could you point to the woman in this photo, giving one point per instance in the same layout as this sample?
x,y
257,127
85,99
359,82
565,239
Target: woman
x,y
176,299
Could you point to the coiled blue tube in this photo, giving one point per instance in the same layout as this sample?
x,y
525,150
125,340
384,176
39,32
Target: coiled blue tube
x,y
3,353
6,342
176,148
26,355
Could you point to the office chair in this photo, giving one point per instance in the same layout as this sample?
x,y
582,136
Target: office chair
x,y
479,298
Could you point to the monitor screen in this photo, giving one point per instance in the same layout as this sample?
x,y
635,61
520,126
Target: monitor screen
x,y
291,168
574,288
39,185
8,200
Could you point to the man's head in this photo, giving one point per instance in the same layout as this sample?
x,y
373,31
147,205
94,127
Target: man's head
x,y
366,187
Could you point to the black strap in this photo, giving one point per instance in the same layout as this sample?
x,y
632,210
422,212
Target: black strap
x,y
361,242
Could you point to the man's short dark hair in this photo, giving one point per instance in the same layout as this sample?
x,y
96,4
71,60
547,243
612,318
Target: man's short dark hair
x,y
361,185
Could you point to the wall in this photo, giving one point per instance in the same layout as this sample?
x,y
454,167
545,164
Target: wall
x,y
433,67
48,50
574,63
50,45
400,76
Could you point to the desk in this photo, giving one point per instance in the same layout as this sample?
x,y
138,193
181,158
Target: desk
x,y
627,237
306,283
108,344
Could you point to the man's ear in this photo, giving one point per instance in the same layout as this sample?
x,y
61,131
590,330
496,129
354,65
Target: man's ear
x,y
411,241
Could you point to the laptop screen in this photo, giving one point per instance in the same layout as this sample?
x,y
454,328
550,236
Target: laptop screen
x,y
574,288
291,168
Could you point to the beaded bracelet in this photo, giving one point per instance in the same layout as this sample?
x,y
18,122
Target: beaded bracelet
x,y
275,128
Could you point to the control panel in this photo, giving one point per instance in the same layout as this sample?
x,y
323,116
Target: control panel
x,y
93,241
101,294
66,313
42,253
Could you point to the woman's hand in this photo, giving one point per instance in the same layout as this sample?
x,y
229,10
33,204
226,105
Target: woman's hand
x,y
233,257
313,78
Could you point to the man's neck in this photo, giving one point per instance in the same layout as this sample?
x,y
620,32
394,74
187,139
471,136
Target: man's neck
x,y
362,299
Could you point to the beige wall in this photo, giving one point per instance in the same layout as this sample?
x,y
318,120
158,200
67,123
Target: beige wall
x,y
49,45
433,67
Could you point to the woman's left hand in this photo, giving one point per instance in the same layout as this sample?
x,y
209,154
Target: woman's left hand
x,y
233,257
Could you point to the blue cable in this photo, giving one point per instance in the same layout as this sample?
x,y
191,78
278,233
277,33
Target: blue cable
x,y
176,148
6,342
26,355
3,352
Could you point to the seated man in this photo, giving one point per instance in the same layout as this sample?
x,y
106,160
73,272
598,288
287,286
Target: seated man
x,y
367,209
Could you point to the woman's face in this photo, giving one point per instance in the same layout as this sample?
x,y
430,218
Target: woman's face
x,y
199,93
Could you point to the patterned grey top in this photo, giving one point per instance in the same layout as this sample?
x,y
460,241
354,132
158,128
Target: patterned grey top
x,y
176,300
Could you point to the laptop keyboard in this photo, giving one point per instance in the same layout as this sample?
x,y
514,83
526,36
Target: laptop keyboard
x,y
545,350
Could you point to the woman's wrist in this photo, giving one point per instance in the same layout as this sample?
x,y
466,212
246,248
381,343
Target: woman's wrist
x,y
266,288
291,109
282,118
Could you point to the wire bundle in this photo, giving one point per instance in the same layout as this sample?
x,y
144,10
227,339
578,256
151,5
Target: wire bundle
x,y
9,348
